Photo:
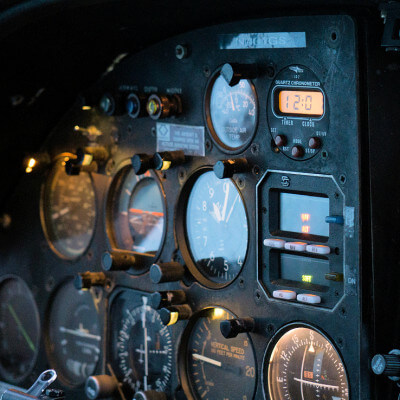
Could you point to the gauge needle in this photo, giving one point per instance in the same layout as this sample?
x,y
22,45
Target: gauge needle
x,y
233,107
21,328
206,359
217,213
323,385
80,333
231,210
225,203
146,350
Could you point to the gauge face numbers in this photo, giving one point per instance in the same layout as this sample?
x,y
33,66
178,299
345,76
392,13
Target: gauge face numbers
x,y
305,365
138,212
74,336
232,113
143,349
19,330
219,368
216,228
69,212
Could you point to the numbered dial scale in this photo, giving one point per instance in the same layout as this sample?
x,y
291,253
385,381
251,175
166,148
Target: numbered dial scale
x,y
214,232
298,112
302,363
213,367
68,212
231,113
141,345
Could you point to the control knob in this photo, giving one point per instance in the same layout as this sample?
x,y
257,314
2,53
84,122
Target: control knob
x,y
230,328
100,386
387,364
150,395
167,272
171,315
85,280
228,168
160,300
233,72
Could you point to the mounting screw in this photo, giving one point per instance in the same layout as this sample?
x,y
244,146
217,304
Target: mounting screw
x,y
257,296
255,148
241,283
181,52
206,71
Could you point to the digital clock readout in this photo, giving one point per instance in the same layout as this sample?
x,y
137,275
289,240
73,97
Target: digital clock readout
x,y
301,102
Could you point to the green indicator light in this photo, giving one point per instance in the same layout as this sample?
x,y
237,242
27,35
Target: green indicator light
x,y
306,278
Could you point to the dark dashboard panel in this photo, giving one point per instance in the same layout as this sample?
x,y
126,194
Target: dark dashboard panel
x,y
277,244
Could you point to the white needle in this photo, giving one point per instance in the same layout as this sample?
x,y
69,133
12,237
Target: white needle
x,y
207,360
225,203
317,384
217,212
77,332
233,205
146,352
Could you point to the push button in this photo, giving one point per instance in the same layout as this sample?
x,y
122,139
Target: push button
x,y
284,294
275,243
296,246
309,298
318,249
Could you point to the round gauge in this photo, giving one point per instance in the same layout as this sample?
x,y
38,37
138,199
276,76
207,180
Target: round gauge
x,y
216,230
68,210
304,364
136,213
231,113
74,335
19,329
142,346
216,367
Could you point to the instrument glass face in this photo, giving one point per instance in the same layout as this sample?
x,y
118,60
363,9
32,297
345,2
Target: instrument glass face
x,y
138,212
219,368
217,228
69,212
142,347
74,335
305,365
233,113
19,330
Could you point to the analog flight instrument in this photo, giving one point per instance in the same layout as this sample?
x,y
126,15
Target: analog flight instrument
x,y
216,367
216,230
19,329
142,346
74,335
231,113
304,364
68,210
136,213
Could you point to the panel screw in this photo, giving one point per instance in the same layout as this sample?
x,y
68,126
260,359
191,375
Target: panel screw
x,y
206,71
181,52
